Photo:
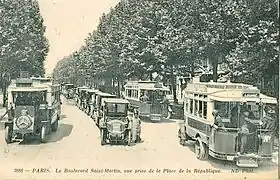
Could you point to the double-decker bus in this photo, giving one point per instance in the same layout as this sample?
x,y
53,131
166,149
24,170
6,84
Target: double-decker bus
x,y
229,121
149,98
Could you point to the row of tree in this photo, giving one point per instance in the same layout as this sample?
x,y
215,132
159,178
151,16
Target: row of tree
x,y
23,46
138,38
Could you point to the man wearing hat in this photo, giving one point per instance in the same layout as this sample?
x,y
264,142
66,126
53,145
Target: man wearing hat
x,y
268,121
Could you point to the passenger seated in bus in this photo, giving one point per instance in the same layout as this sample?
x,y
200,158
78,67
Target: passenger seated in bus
x,y
218,120
268,122
233,117
145,98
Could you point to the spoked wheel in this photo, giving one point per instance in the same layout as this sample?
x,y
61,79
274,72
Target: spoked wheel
x,y
8,135
201,150
182,142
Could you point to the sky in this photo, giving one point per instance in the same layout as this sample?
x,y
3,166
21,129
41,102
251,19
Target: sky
x,y
68,23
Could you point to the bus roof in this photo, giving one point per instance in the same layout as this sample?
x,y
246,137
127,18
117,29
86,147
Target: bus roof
x,y
147,85
116,100
40,78
105,94
229,92
215,85
28,89
92,90
83,87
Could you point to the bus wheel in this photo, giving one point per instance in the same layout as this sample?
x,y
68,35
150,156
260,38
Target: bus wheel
x,y
43,135
55,126
102,137
201,150
8,135
181,140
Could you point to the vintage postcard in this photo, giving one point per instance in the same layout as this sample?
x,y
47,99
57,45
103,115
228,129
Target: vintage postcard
x,y
139,89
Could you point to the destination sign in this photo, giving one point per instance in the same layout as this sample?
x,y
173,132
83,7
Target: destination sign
x,y
251,93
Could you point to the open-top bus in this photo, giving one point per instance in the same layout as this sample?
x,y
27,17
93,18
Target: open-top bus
x,y
149,98
229,121
34,110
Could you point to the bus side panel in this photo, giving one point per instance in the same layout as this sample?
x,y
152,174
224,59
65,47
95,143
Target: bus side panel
x,y
223,142
144,109
134,103
195,127
266,147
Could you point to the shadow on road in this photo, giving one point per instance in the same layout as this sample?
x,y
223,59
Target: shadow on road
x,y
63,131
122,145
63,116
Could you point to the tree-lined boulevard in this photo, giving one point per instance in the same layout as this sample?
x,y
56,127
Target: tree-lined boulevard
x,y
76,145
160,40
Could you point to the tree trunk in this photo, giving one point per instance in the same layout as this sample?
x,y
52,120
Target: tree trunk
x,y
214,60
151,76
173,84
164,78
215,68
119,89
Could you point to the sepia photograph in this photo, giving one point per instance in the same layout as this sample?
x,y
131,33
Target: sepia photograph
x,y
139,89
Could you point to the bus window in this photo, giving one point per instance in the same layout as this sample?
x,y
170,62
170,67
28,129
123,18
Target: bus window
x,y
191,106
196,107
269,109
222,108
205,110
187,105
110,108
149,94
200,109
145,96
129,92
253,110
